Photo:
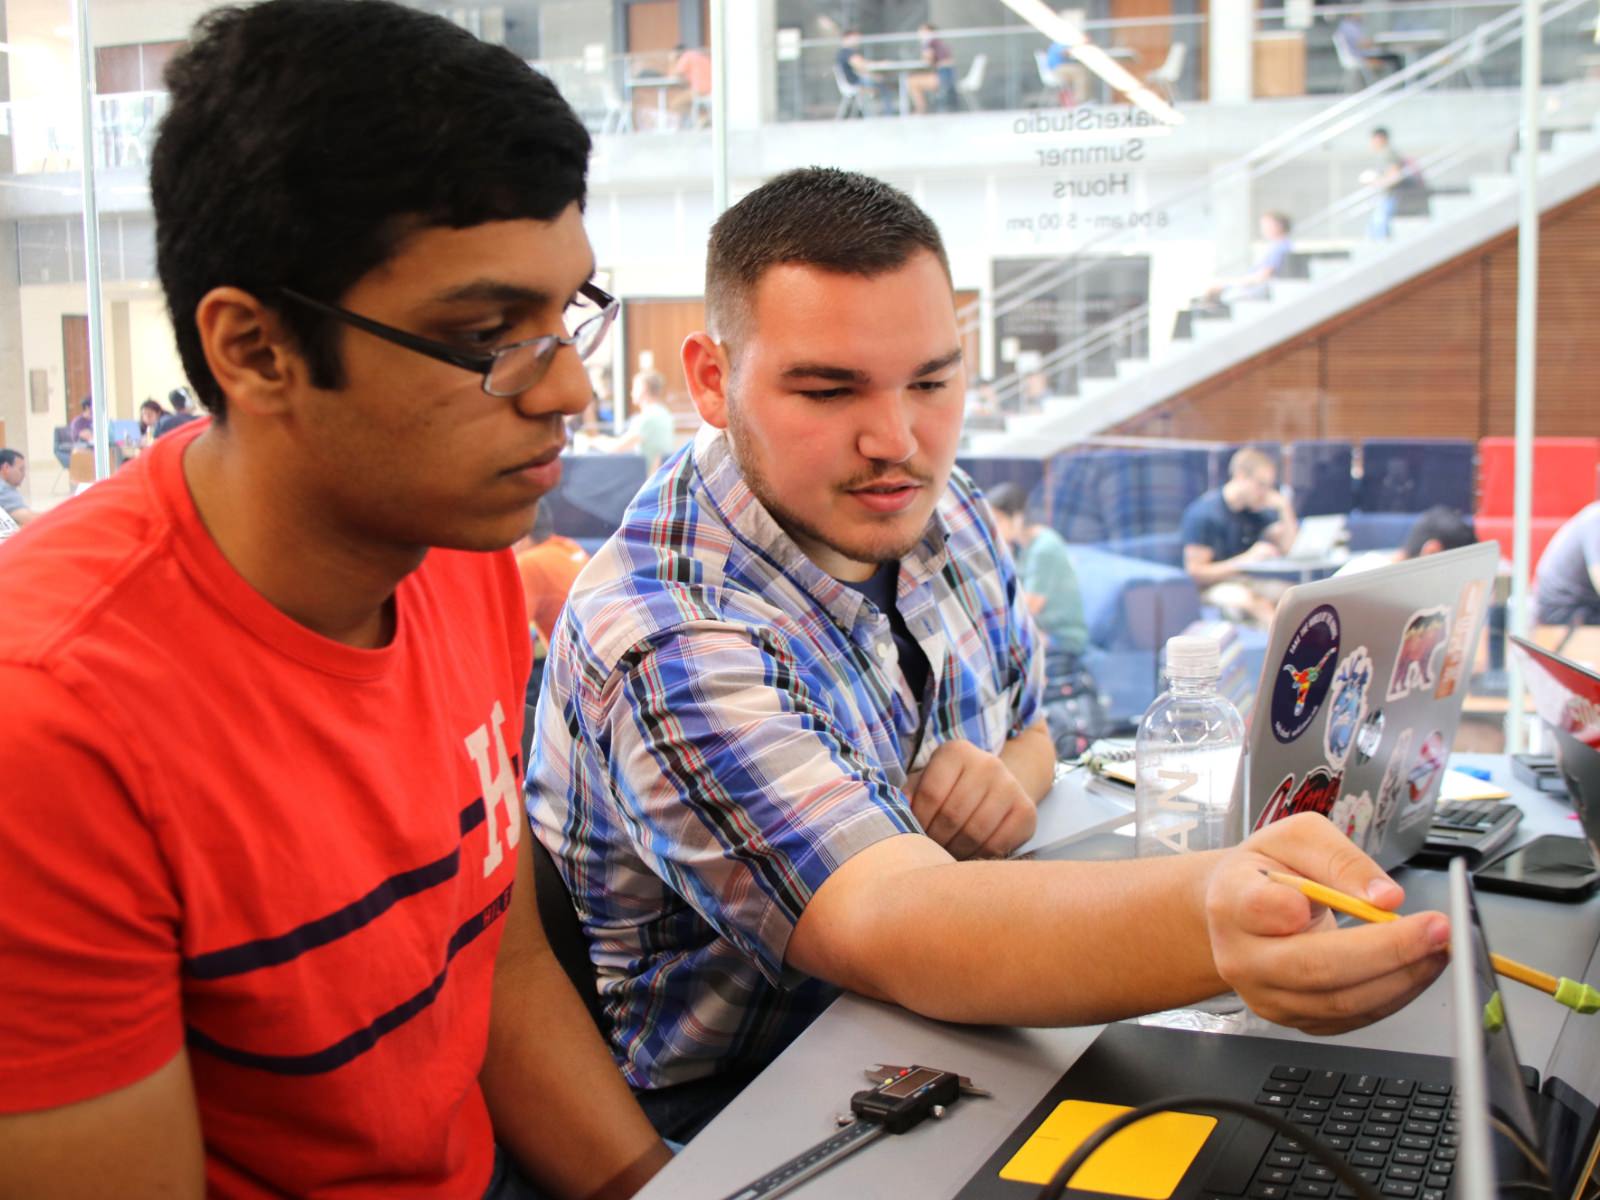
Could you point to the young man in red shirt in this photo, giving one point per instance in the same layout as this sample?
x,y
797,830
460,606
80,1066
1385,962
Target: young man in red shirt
x,y
292,950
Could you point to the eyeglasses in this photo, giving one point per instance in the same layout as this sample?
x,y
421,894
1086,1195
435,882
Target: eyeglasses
x,y
508,371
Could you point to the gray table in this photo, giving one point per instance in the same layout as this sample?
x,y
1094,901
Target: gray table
x,y
792,1104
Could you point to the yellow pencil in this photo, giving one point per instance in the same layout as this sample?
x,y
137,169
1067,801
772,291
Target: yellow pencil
x,y
1579,997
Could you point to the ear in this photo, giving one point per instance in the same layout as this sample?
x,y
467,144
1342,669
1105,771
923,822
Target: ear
x,y
249,351
706,368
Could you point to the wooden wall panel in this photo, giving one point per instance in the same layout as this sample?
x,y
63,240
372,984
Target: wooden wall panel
x,y
1433,358
1409,368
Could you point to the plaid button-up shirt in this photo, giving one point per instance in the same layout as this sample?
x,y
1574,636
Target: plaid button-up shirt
x,y
722,725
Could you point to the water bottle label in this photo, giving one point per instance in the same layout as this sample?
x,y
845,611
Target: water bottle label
x,y
1175,835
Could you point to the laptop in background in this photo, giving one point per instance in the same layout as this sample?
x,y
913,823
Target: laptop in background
x,y
1318,537
1567,699
1360,697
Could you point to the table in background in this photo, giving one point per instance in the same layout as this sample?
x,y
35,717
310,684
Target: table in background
x,y
792,1104
662,84
1294,570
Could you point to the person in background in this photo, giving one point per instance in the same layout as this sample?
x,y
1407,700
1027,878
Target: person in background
x,y
1352,36
651,430
1050,590
1246,520
1566,586
693,66
548,564
150,414
303,957
82,425
855,69
1071,76
1394,176
1254,283
1439,528
793,707
940,79
180,415
13,470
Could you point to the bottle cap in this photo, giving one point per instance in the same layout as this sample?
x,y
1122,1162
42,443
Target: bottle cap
x,y
1193,658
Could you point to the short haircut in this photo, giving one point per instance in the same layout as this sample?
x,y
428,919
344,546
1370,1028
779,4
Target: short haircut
x,y
8,457
86,402
306,139
1381,132
1007,498
178,398
1441,524
1247,460
653,383
1281,218
819,217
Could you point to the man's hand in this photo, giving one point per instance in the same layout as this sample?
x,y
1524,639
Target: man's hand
x,y
1260,552
1286,957
970,803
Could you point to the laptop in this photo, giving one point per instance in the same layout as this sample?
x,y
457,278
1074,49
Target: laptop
x,y
1360,696
1403,1121
1566,696
1318,537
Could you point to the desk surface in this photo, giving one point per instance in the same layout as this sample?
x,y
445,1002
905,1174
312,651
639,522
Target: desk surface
x,y
793,1103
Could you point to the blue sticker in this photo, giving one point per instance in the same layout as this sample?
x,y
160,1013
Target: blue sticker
x,y
1347,705
1305,673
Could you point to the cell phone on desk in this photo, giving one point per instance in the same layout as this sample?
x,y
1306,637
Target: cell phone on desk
x,y
1550,867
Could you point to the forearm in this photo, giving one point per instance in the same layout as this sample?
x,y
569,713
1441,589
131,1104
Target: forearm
x,y
1031,759
1208,573
1016,943
556,1098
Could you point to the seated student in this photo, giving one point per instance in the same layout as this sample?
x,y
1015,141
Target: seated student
x,y
301,956
180,415
688,103
1050,591
1253,284
150,414
800,684
13,470
1245,520
940,78
1439,528
651,430
548,564
81,427
1566,587
856,69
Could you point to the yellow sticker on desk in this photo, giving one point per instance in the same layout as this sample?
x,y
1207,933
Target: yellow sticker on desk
x,y
1146,1161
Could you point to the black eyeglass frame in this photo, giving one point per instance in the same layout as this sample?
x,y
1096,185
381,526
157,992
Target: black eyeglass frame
x,y
480,364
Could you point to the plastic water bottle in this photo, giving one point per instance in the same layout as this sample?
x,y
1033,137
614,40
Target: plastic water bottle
x,y
1187,755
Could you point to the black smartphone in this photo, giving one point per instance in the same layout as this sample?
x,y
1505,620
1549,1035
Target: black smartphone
x,y
1550,867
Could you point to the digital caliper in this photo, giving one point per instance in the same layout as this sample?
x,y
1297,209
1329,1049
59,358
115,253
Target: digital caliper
x,y
901,1098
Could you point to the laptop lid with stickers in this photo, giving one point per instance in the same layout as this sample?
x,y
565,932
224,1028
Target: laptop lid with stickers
x,y
1361,694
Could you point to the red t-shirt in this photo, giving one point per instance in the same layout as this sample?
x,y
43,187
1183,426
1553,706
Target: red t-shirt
x,y
222,829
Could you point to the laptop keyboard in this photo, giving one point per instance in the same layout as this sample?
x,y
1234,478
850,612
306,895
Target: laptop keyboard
x,y
1400,1135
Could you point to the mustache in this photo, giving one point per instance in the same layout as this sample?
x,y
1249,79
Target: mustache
x,y
886,471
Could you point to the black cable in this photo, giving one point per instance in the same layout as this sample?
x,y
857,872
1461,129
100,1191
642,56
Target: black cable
x,y
1318,1149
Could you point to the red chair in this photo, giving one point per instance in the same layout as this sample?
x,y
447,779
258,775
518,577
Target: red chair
x,y
1564,480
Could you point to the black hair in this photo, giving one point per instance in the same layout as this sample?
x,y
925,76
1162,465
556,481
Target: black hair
x,y
1380,131
1441,524
152,403
179,399
8,456
86,402
306,138
838,221
1007,498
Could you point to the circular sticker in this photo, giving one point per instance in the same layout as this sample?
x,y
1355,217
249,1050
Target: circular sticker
x,y
1305,674
1425,771
1369,737
1347,704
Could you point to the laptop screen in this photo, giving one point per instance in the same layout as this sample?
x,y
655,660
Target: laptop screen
x,y
1567,697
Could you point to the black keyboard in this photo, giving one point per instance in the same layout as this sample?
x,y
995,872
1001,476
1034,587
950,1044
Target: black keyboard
x,y
1474,828
1400,1135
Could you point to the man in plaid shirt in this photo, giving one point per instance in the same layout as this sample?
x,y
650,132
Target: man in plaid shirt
x,y
791,713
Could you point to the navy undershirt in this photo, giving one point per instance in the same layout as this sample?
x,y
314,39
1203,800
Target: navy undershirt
x,y
880,589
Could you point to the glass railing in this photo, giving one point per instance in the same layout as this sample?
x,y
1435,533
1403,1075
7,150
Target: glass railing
x,y
1117,294
47,137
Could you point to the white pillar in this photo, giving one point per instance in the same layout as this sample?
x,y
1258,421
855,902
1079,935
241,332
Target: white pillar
x,y
1230,58
752,75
